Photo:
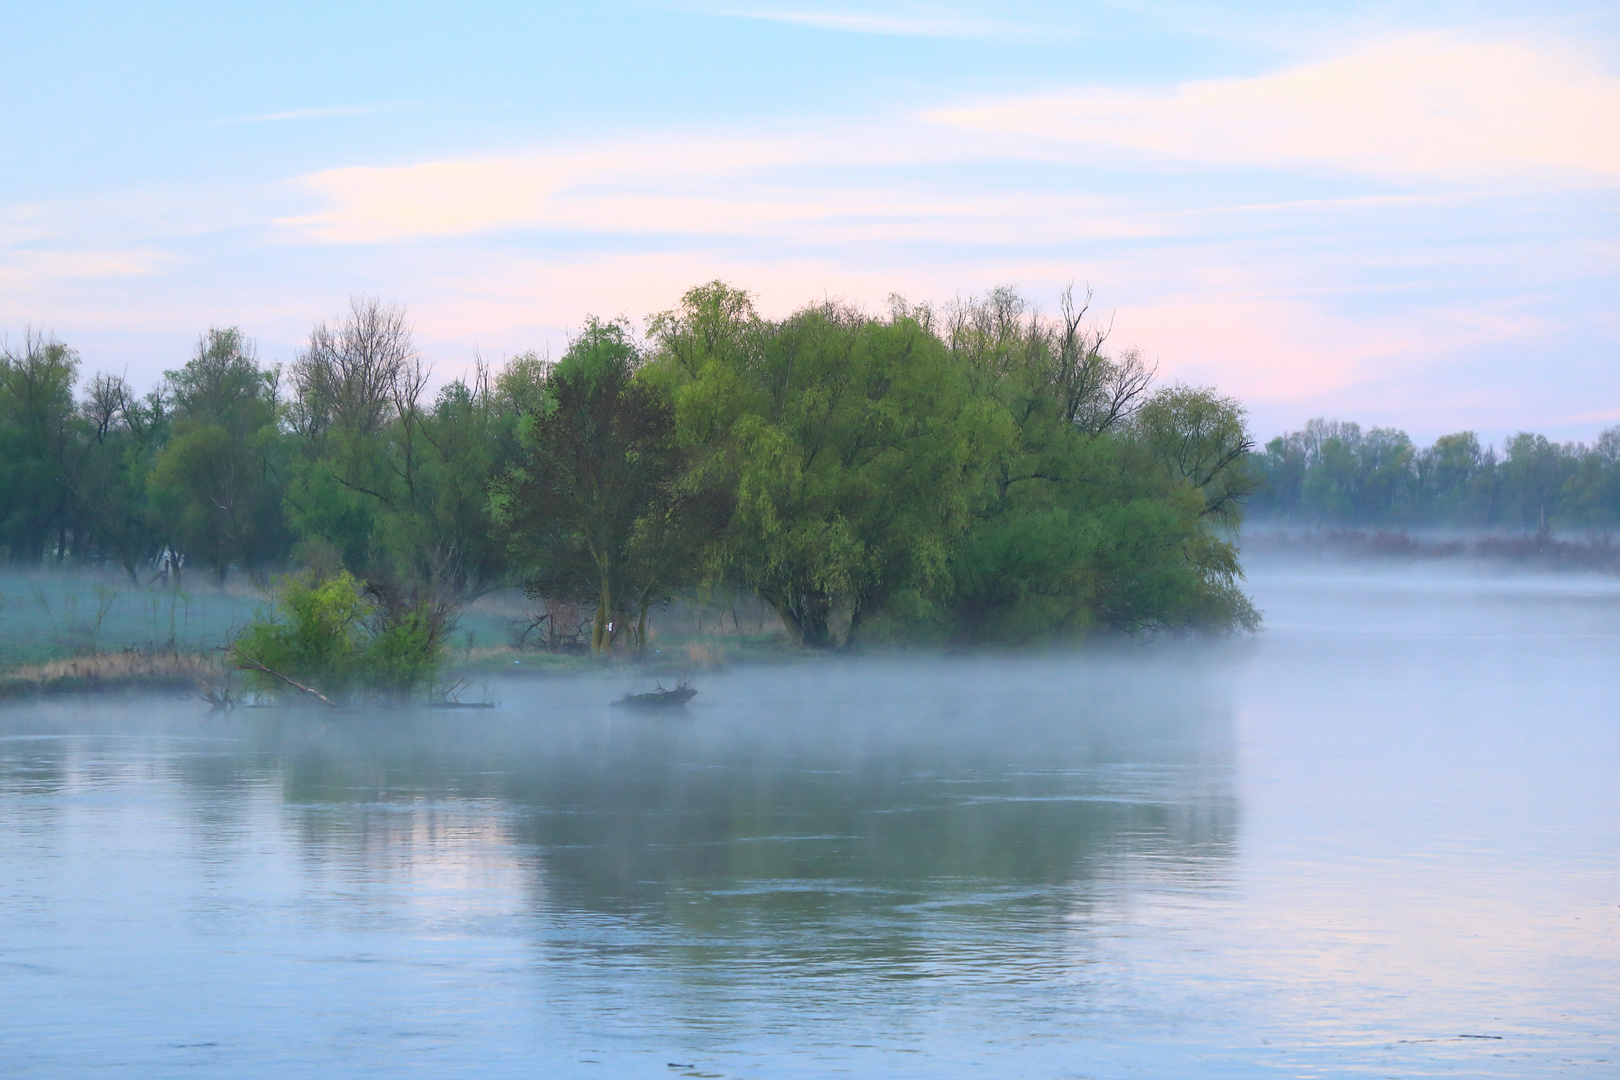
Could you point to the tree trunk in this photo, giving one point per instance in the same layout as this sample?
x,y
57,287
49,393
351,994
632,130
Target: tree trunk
x,y
817,608
599,629
855,615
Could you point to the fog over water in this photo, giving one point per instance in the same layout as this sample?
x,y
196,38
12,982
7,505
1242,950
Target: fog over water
x,y
1381,839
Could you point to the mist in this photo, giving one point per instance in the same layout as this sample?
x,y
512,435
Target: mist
x,y
1381,832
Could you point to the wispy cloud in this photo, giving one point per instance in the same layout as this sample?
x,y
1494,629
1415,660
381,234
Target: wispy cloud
x,y
1262,261
1473,118
26,269
323,112
815,188
1424,106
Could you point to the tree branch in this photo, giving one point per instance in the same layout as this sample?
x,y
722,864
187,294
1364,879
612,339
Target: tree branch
x,y
247,662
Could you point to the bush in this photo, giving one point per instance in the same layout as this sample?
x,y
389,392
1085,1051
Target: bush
x,y
343,640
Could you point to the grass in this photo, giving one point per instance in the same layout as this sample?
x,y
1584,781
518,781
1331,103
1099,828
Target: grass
x,y
113,671
47,616
75,631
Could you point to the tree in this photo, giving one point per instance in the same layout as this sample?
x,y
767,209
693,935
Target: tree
x,y
121,438
36,434
1591,496
215,488
1100,506
1200,438
850,443
593,509
336,639
395,483
1533,474
1445,473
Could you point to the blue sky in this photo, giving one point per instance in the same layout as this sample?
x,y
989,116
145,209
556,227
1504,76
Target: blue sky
x,y
1353,211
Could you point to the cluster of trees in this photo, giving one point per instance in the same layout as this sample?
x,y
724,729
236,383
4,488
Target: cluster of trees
x,y
1336,472
977,472
340,459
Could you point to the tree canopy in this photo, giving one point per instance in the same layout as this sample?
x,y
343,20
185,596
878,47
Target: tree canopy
x,y
975,472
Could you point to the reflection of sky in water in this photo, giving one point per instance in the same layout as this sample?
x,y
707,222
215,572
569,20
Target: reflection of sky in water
x,y
1335,850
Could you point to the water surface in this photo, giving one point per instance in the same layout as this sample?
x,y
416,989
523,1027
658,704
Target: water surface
x,y
1382,840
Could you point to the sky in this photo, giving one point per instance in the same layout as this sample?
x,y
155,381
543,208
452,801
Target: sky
x,y
1403,215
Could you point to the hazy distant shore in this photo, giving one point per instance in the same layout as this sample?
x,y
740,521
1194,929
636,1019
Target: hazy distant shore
x,y
1540,551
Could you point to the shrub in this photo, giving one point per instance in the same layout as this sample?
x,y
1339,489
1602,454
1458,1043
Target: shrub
x,y
344,640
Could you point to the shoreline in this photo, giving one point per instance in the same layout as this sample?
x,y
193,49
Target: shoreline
x,y
137,671
1533,551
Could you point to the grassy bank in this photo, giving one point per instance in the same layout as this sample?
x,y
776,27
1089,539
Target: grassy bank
x,y
184,673
78,632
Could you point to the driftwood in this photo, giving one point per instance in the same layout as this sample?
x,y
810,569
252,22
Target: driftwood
x,y
217,696
249,662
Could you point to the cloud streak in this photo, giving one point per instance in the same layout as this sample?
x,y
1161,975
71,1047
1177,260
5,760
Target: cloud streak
x,y
1230,223
812,189
1422,107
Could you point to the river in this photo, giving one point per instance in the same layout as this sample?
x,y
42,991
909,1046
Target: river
x,y
1381,839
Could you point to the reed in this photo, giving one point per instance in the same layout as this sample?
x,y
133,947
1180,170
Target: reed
x,y
129,669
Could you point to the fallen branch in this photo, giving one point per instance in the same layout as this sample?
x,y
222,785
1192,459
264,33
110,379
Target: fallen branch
x,y
246,662
217,696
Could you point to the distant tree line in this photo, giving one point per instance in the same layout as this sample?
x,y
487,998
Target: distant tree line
x,y
1336,473
976,472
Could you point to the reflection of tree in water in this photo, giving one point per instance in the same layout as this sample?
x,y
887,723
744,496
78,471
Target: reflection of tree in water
x,y
819,841
731,829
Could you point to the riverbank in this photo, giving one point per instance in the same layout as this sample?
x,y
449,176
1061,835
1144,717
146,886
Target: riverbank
x,y
127,670
202,674
1530,551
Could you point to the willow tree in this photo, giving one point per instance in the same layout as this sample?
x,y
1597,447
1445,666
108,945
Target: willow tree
x,y
1101,509
854,448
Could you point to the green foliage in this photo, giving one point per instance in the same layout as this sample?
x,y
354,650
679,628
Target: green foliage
x,y
1200,437
978,472
317,641
120,438
36,432
394,482
1335,473
981,470
342,641
853,445
600,506
214,488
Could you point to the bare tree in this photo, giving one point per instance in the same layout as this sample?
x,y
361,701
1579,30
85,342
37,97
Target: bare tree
x,y
352,374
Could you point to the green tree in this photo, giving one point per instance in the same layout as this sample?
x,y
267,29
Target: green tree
x,y
594,507
37,434
1534,473
394,482
121,438
1201,438
215,488
1591,495
852,443
1446,473
338,639
1098,514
